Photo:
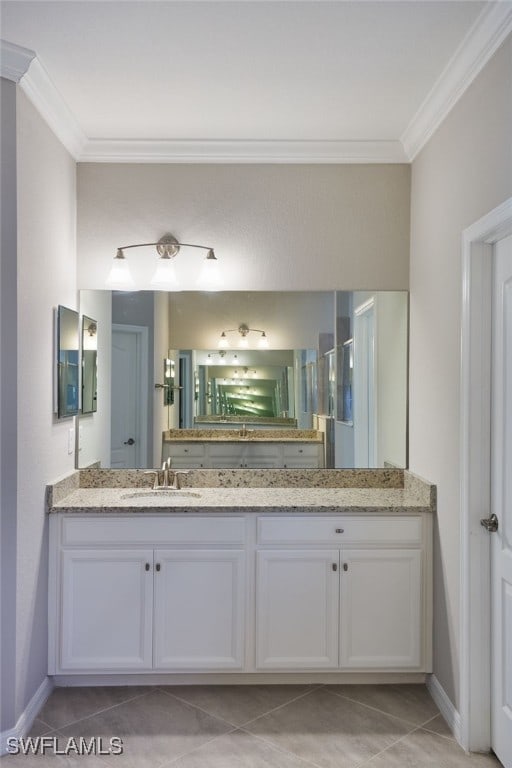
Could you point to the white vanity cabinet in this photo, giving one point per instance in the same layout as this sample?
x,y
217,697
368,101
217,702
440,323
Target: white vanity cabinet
x,y
244,592
146,593
231,454
347,607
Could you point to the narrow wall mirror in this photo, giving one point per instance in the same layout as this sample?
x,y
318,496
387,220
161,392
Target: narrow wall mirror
x,y
302,385
67,362
89,365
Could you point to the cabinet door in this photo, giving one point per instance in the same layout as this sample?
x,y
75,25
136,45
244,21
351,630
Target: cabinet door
x,y
300,455
297,609
381,608
199,609
263,456
107,609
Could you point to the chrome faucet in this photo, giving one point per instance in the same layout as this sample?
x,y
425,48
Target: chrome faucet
x,y
243,431
166,470
166,466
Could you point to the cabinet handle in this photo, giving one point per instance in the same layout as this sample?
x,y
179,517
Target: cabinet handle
x,y
147,566
157,566
335,566
340,530
300,450
345,566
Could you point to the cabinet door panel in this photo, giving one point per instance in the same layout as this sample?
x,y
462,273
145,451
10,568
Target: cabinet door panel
x,y
380,615
107,609
199,609
297,609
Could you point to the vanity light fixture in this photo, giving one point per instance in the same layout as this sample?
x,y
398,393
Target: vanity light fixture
x,y
243,342
164,277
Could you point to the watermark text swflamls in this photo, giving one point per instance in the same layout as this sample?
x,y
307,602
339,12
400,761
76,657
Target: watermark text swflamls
x,y
55,745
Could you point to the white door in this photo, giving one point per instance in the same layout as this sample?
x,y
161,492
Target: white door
x,y
381,608
501,505
297,609
129,397
107,609
199,609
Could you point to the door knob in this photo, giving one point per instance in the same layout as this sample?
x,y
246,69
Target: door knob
x,y
490,523
130,441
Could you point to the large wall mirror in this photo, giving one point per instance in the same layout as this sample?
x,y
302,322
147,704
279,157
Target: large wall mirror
x,y
325,366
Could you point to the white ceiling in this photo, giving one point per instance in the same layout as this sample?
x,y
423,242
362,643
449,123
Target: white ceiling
x,y
155,72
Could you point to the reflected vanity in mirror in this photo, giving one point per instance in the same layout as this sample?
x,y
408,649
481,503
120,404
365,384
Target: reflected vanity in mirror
x,y
89,365
67,362
330,390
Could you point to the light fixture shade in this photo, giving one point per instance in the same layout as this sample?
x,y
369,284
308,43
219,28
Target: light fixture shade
x,y
244,342
263,342
120,276
164,277
210,277
223,341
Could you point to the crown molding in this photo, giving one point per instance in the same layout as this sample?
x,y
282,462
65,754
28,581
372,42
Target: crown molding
x,y
39,88
234,151
14,60
483,39
488,32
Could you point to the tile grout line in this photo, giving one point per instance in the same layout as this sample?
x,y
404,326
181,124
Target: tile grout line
x,y
382,751
232,726
99,711
425,727
381,711
246,722
195,749
280,749
280,706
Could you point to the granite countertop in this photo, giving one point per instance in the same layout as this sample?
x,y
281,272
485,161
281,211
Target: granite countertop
x,y
309,436
229,500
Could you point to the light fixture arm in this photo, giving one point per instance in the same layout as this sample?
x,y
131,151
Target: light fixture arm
x,y
167,248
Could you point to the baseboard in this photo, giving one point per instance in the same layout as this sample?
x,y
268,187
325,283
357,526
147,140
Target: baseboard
x,y
241,678
28,715
445,706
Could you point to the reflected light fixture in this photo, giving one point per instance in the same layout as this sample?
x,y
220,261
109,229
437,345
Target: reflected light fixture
x,y
243,342
164,277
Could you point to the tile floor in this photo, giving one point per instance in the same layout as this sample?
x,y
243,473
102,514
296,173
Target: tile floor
x,y
260,726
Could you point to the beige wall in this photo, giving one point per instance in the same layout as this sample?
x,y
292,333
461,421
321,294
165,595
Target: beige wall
x,y
46,278
463,172
287,227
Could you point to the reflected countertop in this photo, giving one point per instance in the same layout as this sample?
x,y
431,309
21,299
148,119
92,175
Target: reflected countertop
x,y
234,436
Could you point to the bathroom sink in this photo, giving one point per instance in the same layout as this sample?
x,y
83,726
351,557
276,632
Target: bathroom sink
x,y
166,494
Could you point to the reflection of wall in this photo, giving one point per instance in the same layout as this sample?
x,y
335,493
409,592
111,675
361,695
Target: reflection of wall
x,y
390,337
94,428
291,320
391,341
161,413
